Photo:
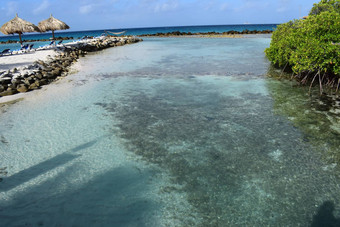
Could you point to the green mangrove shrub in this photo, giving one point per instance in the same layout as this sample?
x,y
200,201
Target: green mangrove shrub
x,y
325,5
310,47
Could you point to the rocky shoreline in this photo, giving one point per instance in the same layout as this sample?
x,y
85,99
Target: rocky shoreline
x,y
178,33
32,77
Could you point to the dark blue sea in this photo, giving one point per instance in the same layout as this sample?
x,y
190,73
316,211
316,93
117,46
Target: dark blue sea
x,y
132,31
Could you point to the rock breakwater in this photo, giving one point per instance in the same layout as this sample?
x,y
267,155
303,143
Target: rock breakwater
x,y
178,33
31,77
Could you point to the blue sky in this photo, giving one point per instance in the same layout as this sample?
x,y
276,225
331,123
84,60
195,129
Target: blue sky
x,y
110,14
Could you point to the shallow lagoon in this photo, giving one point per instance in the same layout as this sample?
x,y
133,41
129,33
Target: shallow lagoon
x,y
167,132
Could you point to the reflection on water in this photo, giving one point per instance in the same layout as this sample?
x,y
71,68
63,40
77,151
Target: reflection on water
x,y
170,132
318,117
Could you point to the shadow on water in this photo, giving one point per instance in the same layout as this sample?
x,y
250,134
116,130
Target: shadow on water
x,y
325,216
84,146
114,198
35,171
43,167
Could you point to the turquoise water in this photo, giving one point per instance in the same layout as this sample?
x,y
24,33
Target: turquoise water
x,y
166,132
130,31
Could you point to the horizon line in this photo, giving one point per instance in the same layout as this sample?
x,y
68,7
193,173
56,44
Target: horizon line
x,y
172,26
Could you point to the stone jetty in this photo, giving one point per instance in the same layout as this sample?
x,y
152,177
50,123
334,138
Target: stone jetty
x,y
232,32
31,77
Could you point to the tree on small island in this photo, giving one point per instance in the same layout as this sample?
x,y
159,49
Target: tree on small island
x,y
310,47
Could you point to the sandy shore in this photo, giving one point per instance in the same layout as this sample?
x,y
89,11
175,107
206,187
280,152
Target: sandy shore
x,y
21,73
9,62
16,97
19,60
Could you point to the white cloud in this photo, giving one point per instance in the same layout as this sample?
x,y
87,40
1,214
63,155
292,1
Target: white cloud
x,y
252,5
86,9
225,6
42,7
166,6
281,9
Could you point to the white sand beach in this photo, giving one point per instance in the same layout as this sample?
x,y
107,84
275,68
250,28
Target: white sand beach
x,y
8,62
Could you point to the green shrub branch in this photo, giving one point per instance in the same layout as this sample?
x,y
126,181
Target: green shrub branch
x,y
311,46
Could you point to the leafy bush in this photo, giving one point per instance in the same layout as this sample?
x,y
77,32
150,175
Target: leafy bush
x,y
310,47
325,5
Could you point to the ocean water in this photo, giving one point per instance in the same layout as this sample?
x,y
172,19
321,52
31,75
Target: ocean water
x,y
167,132
129,31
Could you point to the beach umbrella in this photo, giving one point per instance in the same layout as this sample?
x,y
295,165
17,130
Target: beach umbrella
x,y
19,26
52,24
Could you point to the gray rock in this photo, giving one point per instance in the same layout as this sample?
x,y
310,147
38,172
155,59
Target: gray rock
x,y
34,86
16,75
49,76
6,75
8,92
43,82
5,80
48,69
44,73
65,64
11,87
56,72
15,82
39,75
29,80
22,88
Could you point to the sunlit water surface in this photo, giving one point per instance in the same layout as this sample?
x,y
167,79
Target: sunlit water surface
x,y
167,132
